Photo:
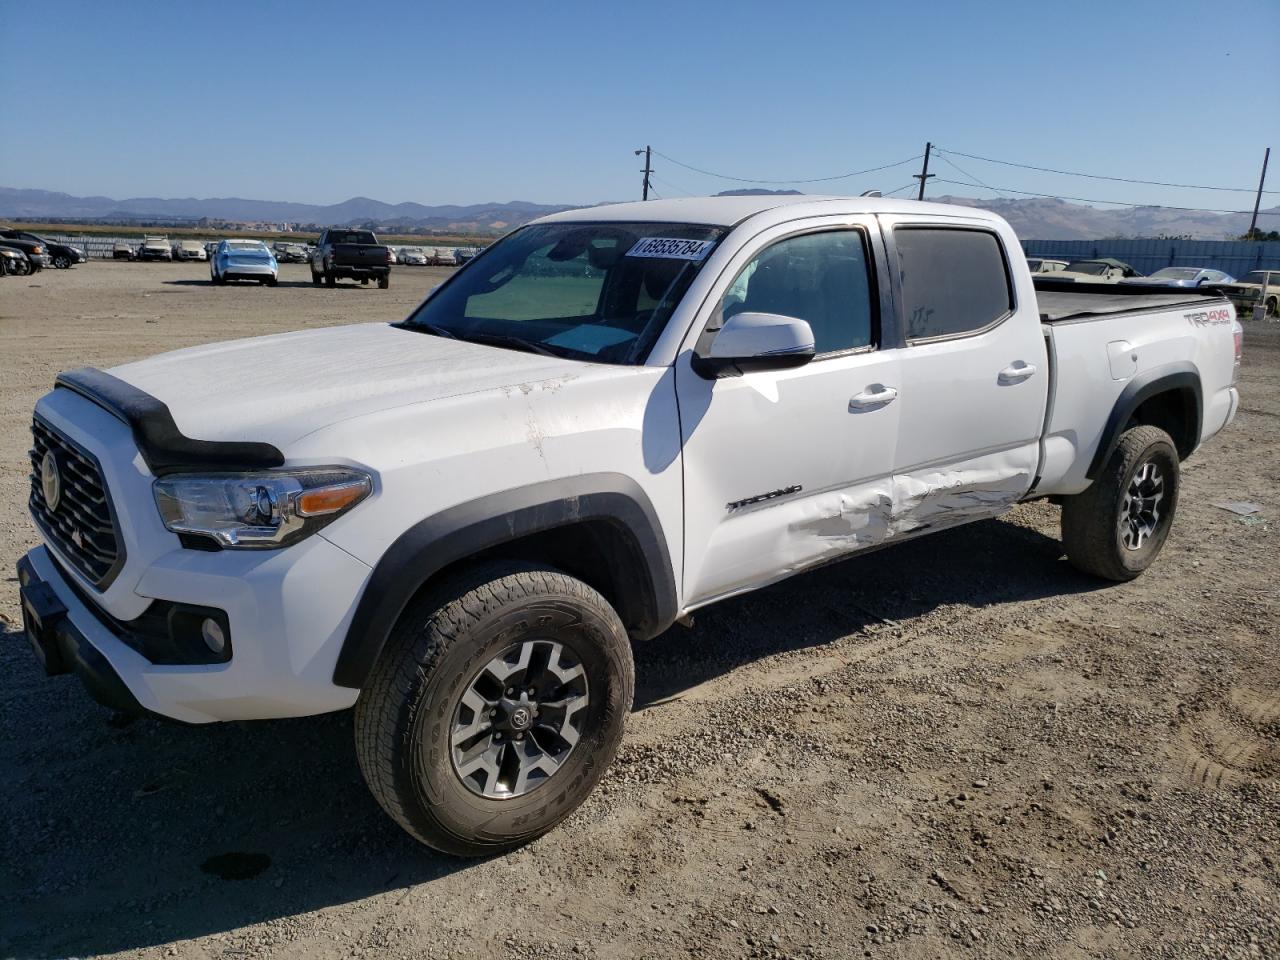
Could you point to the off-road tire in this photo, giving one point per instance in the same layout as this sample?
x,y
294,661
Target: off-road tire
x,y
405,714
315,278
1091,531
1273,307
384,281
330,280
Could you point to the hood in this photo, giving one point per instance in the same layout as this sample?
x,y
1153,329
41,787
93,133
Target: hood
x,y
279,388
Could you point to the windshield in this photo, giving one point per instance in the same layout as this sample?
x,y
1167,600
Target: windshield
x,y
1259,276
591,291
352,236
1092,267
1176,273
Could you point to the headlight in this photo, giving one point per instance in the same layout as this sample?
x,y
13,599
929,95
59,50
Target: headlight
x,y
259,511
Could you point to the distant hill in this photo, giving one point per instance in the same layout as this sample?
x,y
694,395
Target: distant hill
x,y
1035,219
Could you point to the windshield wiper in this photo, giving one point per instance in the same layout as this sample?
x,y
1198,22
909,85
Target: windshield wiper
x,y
427,328
515,343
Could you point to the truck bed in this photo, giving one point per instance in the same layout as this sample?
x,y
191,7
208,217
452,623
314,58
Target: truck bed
x,y
1061,302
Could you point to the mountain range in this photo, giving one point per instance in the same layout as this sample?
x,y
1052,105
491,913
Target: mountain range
x,y
1033,218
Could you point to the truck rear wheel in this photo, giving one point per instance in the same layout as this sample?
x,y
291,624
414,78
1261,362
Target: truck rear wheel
x,y
1117,527
495,708
384,281
330,280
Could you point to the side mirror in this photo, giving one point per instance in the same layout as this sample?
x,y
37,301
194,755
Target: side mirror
x,y
756,341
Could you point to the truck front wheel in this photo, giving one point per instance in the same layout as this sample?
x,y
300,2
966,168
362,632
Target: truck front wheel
x,y
495,708
1116,528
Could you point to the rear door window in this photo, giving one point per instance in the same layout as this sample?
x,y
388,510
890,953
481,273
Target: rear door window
x,y
954,281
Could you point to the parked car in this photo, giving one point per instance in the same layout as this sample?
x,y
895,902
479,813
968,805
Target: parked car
x,y
414,256
354,254
289,252
1045,265
443,257
1255,288
459,523
154,248
1181,277
122,251
189,250
464,254
243,260
60,255
210,248
36,252
13,262
1101,270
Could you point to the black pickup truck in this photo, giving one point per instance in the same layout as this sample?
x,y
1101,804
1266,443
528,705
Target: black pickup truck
x,y
354,254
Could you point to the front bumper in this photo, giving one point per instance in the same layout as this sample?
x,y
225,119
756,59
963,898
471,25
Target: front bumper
x,y
61,648
288,612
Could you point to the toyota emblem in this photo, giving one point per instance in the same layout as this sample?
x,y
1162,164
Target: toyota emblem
x,y
51,481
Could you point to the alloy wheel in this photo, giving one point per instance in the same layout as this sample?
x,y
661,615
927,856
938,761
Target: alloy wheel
x,y
1140,513
519,719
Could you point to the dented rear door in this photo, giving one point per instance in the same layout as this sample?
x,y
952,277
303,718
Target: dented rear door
x,y
974,372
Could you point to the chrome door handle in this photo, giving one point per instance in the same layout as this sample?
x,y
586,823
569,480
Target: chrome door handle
x,y
876,395
1017,371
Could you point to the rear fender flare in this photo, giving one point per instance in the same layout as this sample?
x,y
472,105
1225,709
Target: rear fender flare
x,y
1173,376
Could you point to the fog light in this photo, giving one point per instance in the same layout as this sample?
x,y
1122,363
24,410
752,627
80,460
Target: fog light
x,y
213,636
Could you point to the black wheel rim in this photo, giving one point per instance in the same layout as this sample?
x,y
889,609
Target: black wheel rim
x,y
519,719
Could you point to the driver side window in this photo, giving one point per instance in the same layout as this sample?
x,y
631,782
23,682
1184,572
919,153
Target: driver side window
x,y
821,278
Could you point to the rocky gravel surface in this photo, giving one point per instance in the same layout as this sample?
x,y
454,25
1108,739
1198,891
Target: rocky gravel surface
x,y
955,747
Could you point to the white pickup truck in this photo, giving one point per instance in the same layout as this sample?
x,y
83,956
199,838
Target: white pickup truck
x,y
458,523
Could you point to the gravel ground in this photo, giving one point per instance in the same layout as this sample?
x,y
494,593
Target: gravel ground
x,y
958,746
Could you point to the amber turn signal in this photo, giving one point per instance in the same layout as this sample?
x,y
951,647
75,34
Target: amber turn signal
x,y
322,500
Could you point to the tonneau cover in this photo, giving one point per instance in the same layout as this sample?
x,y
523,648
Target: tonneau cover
x,y
1064,300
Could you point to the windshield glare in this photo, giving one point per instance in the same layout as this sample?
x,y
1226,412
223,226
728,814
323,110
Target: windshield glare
x,y
1176,273
591,291
1088,266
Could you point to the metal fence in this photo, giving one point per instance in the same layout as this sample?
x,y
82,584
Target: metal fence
x,y
1236,257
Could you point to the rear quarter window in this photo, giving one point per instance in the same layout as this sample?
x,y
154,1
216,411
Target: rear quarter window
x,y
955,281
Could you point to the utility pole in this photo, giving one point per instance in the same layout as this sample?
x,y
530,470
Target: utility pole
x,y
924,173
1253,224
648,168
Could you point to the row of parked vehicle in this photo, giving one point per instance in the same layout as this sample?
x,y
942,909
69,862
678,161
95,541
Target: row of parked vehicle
x,y
162,248
22,253
1258,288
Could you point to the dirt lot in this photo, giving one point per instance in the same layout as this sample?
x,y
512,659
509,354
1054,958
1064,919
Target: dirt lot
x,y
956,747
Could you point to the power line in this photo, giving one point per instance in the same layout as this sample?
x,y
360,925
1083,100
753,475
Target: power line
x,y
841,176
1098,176
965,173
1118,203
654,176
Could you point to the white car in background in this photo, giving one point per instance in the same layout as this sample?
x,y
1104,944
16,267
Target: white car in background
x,y
1045,265
1182,277
412,256
243,260
189,250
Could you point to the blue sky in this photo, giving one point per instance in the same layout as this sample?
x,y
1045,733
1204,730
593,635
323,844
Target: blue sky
x,y
465,102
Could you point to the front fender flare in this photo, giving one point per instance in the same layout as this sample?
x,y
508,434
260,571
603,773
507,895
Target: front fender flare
x,y
465,530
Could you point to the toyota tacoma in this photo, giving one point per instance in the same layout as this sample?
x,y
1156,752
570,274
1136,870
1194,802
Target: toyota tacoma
x,y
460,522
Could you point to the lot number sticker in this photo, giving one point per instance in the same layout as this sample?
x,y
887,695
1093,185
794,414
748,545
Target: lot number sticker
x,y
669,249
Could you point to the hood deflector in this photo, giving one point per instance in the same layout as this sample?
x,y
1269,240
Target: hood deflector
x,y
163,446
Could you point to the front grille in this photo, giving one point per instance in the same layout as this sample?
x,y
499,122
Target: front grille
x,y
82,525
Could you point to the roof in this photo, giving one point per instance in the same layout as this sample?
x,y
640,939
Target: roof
x,y
1109,261
727,211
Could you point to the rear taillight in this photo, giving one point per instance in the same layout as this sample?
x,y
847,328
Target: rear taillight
x,y
1237,333
388,256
